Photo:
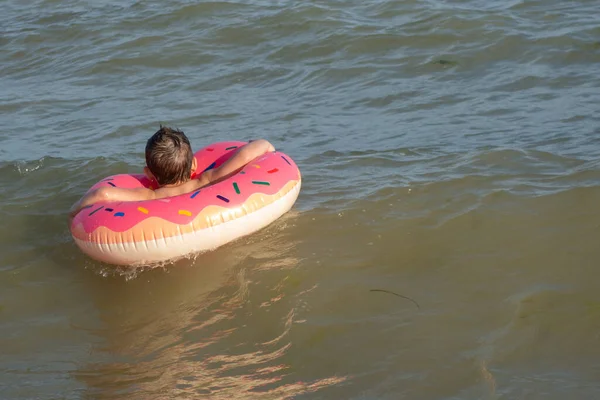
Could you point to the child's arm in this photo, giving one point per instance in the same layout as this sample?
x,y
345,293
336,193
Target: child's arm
x,y
109,194
243,156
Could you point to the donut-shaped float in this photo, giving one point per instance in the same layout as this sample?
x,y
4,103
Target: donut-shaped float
x,y
146,232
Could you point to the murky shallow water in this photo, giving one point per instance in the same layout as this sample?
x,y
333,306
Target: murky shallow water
x,y
449,152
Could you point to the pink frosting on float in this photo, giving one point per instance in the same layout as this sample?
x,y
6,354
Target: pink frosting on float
x,y
266,175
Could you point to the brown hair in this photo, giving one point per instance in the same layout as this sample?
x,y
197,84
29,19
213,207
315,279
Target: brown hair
x,y
169,156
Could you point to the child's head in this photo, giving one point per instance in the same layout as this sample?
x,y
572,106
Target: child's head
x,y
169,156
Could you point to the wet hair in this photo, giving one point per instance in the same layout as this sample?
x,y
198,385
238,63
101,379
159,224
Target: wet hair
x,y
169,156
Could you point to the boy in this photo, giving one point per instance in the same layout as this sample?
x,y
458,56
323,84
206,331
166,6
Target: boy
x,y
170,163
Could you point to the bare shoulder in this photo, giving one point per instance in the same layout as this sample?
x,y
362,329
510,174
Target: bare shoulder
x,y
203,180
186,187
146,194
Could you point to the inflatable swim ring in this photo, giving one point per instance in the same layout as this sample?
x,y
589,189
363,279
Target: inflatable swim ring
x,y
150,231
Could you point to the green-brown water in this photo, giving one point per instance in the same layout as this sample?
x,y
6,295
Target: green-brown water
x,y
450,153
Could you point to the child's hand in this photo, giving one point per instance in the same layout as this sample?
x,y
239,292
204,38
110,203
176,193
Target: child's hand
x,y
269,146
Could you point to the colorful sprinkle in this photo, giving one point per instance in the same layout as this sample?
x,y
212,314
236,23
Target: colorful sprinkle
x,y
211,166
108,209
261,183
185,212
96,210
211,149
273,171
111,184
119,214
225,199
142,209
286,160
256,166
231,148
236,187
242,172
194,194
